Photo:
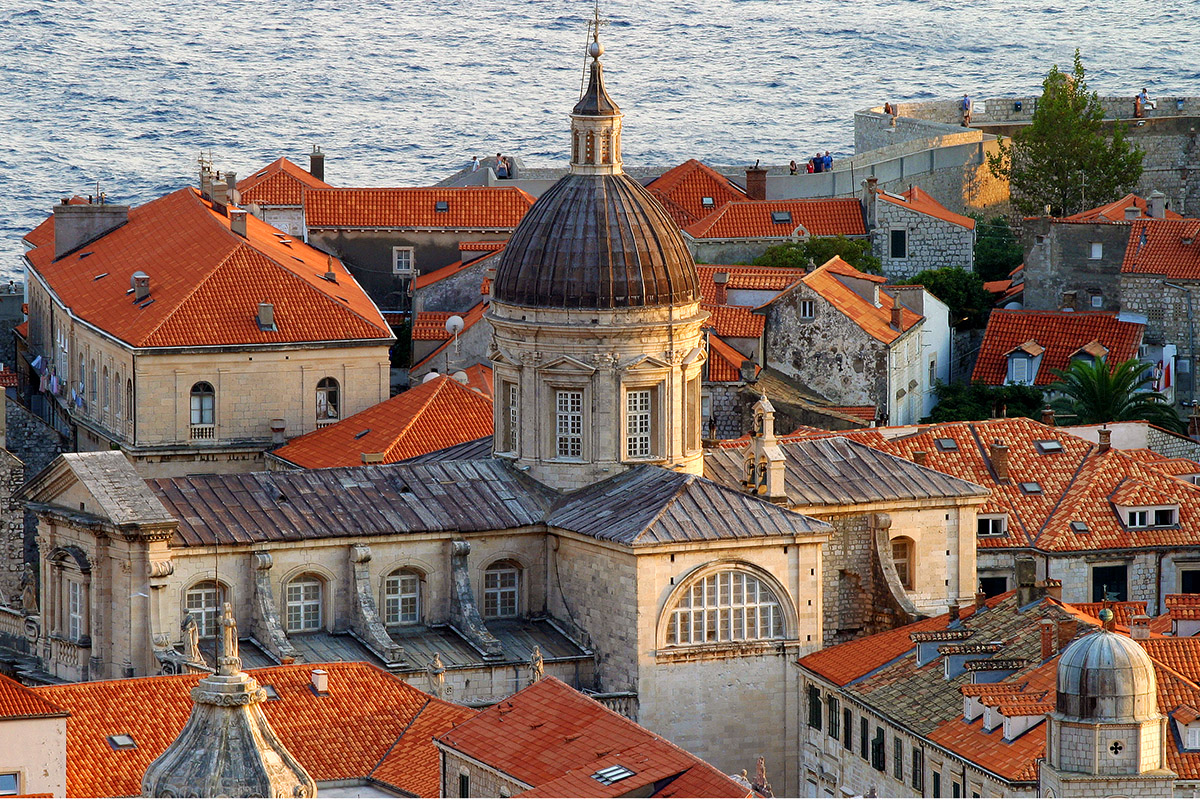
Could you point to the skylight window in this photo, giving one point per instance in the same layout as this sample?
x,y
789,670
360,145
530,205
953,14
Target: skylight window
x,y
1048,446
1031,487
270,690
441,206
707,202
610,775
122,741
1079,526
781,217
946,445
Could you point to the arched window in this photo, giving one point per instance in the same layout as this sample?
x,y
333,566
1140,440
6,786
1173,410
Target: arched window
x,y
726,606
502,589
104,399
402,598
117,394
328,403
606,148
129,402
203,601
305,597
202,403
902,557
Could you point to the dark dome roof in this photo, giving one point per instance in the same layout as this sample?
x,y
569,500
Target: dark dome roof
x,y
596,241
595,101
1106,677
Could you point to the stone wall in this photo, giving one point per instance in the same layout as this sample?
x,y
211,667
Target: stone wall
x,y
1075,571
457,293
473,346
482,781
932,243
1171,445
36,444
727,408
1167,312
1058,259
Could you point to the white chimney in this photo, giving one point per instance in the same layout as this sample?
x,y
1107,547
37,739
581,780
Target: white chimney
x,y
140,283
237,221
266,317
320,682
1157,205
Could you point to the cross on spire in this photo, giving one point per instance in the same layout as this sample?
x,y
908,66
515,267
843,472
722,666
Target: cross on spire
x,y
595,22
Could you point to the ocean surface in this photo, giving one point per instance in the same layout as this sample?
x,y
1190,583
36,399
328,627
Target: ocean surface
x,y
127,95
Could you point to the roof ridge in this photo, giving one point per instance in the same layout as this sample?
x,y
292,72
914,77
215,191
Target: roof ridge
x,y
396,741
439,385
1062,497
688,479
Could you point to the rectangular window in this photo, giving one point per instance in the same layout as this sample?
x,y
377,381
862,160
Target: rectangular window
x,y
991,526
1164,517
402,599
994,585
918,770
898,244
956,789
1019,367
1189,581
808,309
1193,737
864,743
10,783
402,262
1097,301
878,752
304,606
500,592
510,418
937,784
847,728
814,707
569,424
1138,519
203,604
897,758
1110,583
932,371
1095,250
464,785
637,424
74,611
834,717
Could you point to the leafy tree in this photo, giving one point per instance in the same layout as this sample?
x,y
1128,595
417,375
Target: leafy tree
x,y
1064,158
1094,392
962,291
997,251
973,401
818,250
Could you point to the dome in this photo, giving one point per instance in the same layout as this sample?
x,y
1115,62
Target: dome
x,y
596,241
1106,677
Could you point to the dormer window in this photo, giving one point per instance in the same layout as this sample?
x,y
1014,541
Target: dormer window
x,y
992,525
1164,517
1156,517
1018,370
781,217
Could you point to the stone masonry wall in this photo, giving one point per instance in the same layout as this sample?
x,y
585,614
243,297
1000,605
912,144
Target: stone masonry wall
x,y
931,243
1166,312
1058,260
726,407
35,444
1075,571
12,529
483,782
1171,445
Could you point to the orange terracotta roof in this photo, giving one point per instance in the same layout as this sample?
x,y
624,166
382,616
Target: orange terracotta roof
x,y
280,183
683,189
1115,211
752,219
1012,760
481,247
469,208
433,415
916,199
21,702
1061,333
1168,247
771,279
210,293
481,379
470,318
725,362
553,738
344,735
998,287
430,326
734,321
875,321
23,329
865,413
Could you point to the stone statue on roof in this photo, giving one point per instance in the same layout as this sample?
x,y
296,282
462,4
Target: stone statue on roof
x,y
228,662
537,665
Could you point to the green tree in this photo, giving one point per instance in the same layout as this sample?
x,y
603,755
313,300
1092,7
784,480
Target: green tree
x,y
1064,158
1093,392
962,291
997,251
974,401
818,250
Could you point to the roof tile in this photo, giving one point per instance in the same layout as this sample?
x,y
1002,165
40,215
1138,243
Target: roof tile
x,y
753,219
1062,334
473,208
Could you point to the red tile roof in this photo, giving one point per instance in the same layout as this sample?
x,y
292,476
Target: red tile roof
x,y
998,287
916,199
865,413
682,191
355,730
771,279
875,321
553,738
734,321
206,282
481,247
480,378
1062,333
470,318
436,414
751,219
280,183
21,702
1168,247
23,329
725,362
469,208
1115,211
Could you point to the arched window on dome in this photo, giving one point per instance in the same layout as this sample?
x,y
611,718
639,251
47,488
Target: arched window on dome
x,y
729,605
606,148
589,155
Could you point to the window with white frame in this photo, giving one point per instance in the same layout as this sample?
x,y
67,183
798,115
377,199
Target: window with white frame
x,y
75,601
402,598
1095,250
10,784
328,400
203,601
1193,737
304,600
510,416
1161,517
203,398
502,590
902,558
403,263
638,433
992,525
1018,369
726,606
568,426
808,309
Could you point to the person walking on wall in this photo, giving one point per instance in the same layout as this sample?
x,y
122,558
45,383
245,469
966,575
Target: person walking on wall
x,y
501,167
965,105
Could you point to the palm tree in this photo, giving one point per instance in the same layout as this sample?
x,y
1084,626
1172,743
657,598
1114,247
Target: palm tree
x,y
1094,392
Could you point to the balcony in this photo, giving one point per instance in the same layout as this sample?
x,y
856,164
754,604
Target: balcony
x,y
203,433
325,423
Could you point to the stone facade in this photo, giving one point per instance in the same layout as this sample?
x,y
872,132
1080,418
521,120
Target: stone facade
x,y
930,243
26,742
466,777
472,348
458,292
1073,264
1167,312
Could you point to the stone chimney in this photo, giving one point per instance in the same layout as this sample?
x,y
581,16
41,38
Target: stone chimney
x,y
952,616
920,458
898,317
1066,631
237,221
278,431
76,225
1156,205
980,599
721,293
235,197
1048,417
756,182
1049,638
1133,212
998,453
870,187
1105,440
140,283
1139,627
266,317
220,195
1027,587
316,163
